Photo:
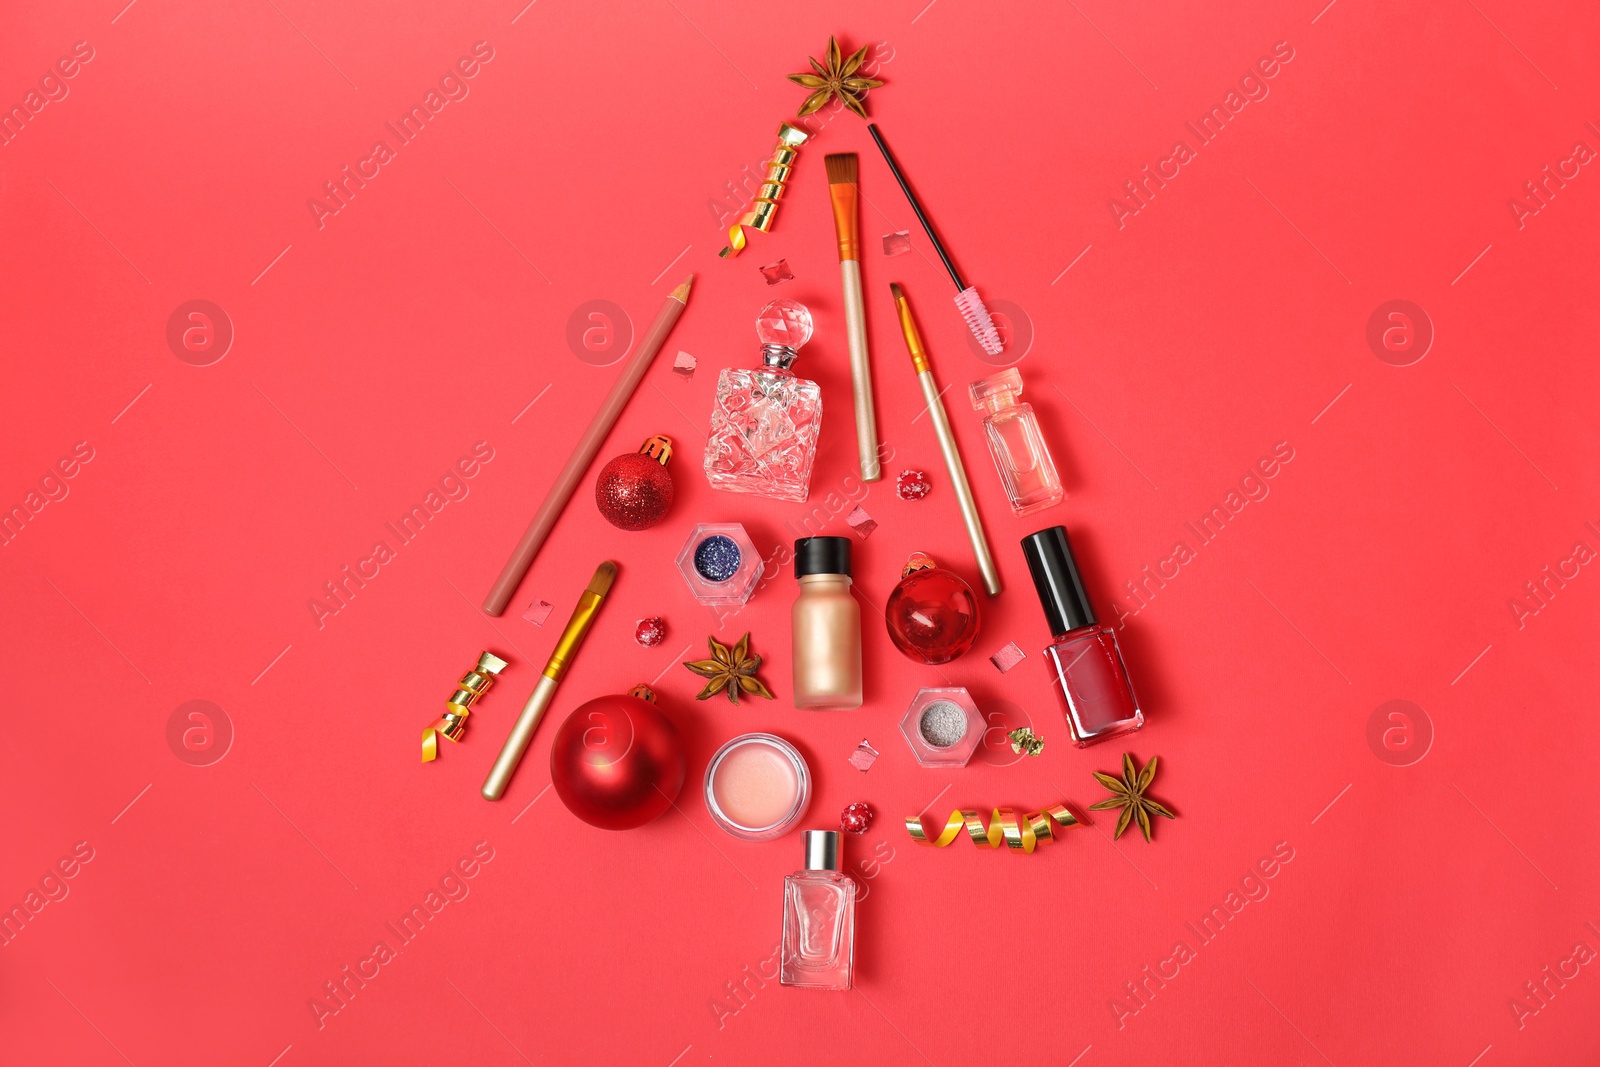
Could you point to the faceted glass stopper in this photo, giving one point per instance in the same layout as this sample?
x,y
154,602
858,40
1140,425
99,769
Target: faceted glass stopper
x,y
784,322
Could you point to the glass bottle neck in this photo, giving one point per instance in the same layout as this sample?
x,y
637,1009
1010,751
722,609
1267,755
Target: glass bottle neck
x,y
998,402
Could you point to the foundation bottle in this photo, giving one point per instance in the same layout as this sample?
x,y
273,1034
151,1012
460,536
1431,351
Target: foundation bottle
x,y
826,627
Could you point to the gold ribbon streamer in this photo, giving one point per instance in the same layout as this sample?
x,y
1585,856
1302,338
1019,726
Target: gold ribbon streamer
x,y
1023,836
765,205
453,723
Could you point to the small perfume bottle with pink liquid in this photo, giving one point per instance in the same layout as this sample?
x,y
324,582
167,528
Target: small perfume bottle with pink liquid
x,y
765,423
1020,454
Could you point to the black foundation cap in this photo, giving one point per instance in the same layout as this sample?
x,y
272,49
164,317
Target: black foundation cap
x,y
821,555
1057,581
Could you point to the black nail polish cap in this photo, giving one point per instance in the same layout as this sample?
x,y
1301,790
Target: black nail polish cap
x,y
1056,580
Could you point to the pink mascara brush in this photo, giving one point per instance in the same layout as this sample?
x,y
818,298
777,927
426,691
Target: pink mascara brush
x,y
968,301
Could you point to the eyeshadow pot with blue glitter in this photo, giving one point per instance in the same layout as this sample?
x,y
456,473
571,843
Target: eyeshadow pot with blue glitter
x,y
716,559
720,564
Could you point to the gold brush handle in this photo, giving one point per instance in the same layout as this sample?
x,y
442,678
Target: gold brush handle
x,y
505,765
958,478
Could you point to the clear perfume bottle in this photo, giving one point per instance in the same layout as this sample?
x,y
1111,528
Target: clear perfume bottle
x,y
1018,448
765,422
819,919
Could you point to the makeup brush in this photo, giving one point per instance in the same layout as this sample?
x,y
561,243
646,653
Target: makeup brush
x,y
947,443
968,301
843,169
567,645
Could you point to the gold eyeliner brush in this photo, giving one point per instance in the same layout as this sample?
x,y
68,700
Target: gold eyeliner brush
x,y
947,443
843,172
505,765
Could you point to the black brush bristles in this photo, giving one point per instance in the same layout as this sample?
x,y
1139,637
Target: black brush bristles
x,y
843,168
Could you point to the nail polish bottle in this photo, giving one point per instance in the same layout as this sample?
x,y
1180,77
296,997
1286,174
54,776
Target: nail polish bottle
x,y
826,627
1090,677
819,919
1020,455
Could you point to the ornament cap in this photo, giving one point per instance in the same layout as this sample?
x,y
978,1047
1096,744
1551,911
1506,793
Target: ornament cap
x,y
658,448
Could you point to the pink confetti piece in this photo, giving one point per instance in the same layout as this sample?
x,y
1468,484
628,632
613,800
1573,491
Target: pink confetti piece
x,y
777,272
537,612
862,523
897,243
684,364
1008,657
864,756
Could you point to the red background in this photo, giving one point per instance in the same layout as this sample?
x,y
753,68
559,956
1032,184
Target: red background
x,y
588,163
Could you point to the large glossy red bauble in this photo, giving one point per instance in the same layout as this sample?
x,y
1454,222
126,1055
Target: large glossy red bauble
x,y
617,762
932,615
633,492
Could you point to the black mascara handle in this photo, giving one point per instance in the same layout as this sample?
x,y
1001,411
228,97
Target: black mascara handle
x,y
894,168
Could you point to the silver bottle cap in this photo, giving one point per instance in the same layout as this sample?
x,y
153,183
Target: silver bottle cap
x,y
822,850
778,357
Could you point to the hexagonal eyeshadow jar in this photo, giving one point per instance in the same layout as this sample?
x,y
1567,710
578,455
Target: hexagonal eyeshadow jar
x,y
943,727
720,564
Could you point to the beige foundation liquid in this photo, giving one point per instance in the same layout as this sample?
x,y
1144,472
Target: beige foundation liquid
x,y
826,627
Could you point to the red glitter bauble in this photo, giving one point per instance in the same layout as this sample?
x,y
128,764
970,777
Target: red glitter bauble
x,y
856,818
633,492
617,762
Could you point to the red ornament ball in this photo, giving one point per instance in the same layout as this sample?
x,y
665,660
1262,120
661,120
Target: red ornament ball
x,y
617,762
856,818
932,615
912,485
633,492
650,632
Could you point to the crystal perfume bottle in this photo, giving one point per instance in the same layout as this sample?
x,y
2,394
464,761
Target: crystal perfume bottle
x,y
765,422
1085,663
1018,448
819,918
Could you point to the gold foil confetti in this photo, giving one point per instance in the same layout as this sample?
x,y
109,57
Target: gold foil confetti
x,y
453,723
765,205
1024,740
1022,835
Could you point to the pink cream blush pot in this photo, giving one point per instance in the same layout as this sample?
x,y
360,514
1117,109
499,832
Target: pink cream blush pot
x,y
757,787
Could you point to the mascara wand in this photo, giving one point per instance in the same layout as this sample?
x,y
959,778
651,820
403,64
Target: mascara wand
x,y
968,302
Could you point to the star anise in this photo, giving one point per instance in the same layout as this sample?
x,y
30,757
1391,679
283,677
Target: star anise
x,y
1128,793
837,77
730,670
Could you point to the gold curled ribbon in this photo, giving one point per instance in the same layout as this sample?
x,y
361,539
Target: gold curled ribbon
x,y
1023,836
765,205
453,723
